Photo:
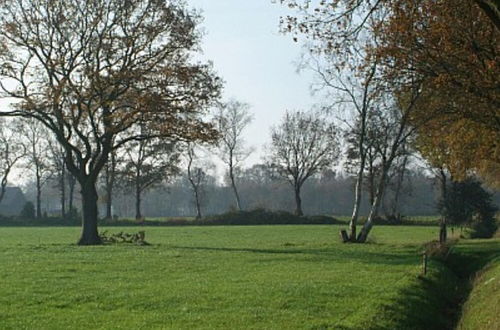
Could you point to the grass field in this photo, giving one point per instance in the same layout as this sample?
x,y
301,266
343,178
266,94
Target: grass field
x,y
271,277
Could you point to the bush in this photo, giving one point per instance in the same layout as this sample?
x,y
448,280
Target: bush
x,y
469,203
28,211
264,217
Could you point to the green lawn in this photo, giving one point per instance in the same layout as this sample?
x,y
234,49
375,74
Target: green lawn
x,y
272,277
427,220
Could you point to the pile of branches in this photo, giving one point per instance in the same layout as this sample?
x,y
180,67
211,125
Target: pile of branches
x,y
121,237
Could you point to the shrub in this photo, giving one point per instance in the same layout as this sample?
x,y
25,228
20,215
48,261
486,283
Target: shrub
x,y
28,211
469,203
264,217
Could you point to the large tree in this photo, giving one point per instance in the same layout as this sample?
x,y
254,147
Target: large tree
x,y
455,49
94,71
304,144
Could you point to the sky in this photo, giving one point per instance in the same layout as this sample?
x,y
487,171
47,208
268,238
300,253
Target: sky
x,y
257,63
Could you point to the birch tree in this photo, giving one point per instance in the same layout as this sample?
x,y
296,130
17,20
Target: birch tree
x,y
232,118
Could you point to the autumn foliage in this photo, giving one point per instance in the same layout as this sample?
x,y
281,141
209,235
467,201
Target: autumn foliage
x,y
454,48
450,48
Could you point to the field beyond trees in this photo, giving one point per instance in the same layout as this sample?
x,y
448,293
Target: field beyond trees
x,y
221,277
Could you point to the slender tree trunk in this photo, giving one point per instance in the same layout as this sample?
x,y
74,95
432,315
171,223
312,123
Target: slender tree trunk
x,y
195,184
197,201
233,185
72,183
110,181
365,231
397,192
138,214
357,196
298,201
90,235
62,187
371,179
109,205
109,192
357,203
442,223
3,185
38,193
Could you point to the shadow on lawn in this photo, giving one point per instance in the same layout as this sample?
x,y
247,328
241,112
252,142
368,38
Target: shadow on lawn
x,y
406,257
435,302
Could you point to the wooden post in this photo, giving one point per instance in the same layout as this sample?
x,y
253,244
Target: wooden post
x,y
424,263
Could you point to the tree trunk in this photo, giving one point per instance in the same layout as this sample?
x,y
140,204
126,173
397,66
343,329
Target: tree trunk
x,y
365,231
38,194
233,185
357,193
442,224
397,192
195,184
62,186
3,185
72,183
357,203
138,214
90,236
442,230
109,205
109,193
110,181
197,201
298,202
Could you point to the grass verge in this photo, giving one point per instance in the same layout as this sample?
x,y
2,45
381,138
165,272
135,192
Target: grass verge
x,y
482,308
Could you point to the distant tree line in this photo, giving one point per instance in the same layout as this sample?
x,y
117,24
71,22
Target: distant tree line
x,y
324,193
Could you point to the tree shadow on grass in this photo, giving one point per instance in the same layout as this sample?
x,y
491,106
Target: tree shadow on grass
x,y
435,302
470,256
426,304
405,257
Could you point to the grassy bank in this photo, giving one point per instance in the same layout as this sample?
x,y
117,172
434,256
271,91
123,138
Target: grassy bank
x,y
482,308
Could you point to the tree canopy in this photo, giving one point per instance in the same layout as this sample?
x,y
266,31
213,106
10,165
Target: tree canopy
x,y
450,47
94,71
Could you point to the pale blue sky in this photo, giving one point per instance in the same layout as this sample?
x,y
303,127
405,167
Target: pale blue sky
x,y
256,62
